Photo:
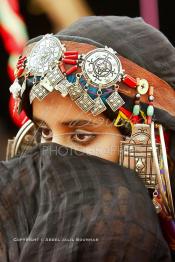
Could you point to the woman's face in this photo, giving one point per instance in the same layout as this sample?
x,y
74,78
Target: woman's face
x,y
63,122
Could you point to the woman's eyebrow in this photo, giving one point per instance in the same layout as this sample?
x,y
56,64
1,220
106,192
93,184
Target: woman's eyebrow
x,y
38,121
79,123
70,123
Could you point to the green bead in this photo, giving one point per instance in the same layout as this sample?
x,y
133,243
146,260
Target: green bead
x,y
136,110
150,111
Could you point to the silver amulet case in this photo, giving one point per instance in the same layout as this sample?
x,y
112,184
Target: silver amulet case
x,y
141,153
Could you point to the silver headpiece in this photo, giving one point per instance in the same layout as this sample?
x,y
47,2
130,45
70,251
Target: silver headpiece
x,y
92,89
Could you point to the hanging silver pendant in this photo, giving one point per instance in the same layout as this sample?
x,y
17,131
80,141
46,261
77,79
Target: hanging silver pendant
x,y
63,87
55,76
46,84
15,89
85,102
39,91
99,106
136,153
31,96
115,101
75,91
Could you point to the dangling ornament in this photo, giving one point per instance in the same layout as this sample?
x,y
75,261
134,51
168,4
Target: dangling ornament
x,y
115,101
39,92
76,89
99,106
63,87
46,84
85,102
55,77
136,153
15,89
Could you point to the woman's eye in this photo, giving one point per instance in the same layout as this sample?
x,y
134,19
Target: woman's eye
x,y
46,133
83,137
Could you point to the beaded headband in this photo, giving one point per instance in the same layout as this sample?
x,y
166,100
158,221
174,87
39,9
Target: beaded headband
x,y
92,79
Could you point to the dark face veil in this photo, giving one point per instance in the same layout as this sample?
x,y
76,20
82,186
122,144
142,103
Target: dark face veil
x,y
58,204
133,87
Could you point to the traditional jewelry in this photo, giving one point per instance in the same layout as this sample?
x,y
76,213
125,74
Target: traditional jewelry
x,y
136,154
150,108
102,67
49,65
163,178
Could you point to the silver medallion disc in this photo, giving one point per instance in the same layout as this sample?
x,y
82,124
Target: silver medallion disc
x,y
102,67
44,55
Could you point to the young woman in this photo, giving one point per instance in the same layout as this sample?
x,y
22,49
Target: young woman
x,y
94,110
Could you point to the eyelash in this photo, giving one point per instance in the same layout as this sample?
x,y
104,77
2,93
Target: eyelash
x,y
46,137
74,137
90,137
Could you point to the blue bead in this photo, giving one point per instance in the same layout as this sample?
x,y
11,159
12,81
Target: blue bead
x,y
150,110
136,110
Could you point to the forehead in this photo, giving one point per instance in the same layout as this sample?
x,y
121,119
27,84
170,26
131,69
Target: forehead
x,y
55,108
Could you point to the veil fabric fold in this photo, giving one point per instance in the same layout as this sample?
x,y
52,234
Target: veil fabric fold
x,y
91,210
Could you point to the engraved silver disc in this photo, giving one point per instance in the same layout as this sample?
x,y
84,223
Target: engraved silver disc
x,y
102,67
44,55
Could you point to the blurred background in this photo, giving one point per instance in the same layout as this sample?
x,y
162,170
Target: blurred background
x,y
21,20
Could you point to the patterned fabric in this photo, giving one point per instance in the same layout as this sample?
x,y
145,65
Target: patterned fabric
x,y
92,209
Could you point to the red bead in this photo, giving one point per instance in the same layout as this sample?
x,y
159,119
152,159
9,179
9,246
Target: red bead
x,y
19,72
150,103
63,70
70,53
20,62
151,91
22,59
19,66
135,119
71,56
149,120
69,61
130,81
71,70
